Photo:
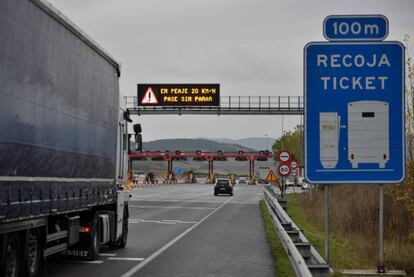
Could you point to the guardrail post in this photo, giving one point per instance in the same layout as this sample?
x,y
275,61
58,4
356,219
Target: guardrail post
x,y
381,265
278,102
269,102
260,100
326,221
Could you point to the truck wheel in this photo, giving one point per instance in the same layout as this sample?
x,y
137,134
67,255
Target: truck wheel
x,y
13,255
33,254
95,240
122,241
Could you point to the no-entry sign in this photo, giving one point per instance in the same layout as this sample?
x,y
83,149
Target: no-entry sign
x,y
284,156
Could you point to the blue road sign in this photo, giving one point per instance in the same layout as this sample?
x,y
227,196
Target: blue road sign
x,y
354,112
178,170
355,27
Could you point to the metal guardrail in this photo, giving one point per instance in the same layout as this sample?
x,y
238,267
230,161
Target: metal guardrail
x,y
304,258
259,105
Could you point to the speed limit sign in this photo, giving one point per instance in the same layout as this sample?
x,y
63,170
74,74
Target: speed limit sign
x,y
293,164
283,170
294,172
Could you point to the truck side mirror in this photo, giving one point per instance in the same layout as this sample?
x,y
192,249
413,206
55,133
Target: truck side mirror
x,y
127,116
129,143
138,137
138,142
137,128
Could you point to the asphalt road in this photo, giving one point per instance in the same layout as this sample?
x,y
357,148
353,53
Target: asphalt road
x,y
184,230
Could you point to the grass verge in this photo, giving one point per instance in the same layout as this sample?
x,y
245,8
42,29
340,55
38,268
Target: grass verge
x,y
282,264
343,253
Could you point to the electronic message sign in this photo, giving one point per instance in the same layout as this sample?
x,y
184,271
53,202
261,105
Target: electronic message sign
x,y
178,94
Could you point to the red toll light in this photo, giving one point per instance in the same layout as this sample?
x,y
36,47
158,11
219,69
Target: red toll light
x,y
352,156
86,229
385,156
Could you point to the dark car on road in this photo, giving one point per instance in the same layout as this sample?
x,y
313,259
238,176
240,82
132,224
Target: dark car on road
x,y
223,186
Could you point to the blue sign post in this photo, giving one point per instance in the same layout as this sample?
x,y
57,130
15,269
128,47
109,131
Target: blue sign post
x,y
354,112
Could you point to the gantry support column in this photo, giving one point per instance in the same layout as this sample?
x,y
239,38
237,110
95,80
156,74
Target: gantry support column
x,y
252,176
169,176
211,171
210,175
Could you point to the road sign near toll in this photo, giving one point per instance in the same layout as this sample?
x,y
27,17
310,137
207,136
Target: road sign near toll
x,y
293,164
354,111
294,172
271,176
178,95
355,27
284,156
283,170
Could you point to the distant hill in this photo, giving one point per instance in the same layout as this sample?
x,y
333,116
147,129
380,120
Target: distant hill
x,y
256,143
192,145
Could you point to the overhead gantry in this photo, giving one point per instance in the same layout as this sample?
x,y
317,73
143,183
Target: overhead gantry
x,y
229,105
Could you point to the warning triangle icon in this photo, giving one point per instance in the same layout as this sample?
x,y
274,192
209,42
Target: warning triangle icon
x,y
149,97
271,177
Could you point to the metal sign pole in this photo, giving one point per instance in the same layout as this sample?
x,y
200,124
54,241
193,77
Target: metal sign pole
x,y
381,265
326,221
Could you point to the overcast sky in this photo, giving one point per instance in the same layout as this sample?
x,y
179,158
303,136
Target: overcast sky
x,y
250,47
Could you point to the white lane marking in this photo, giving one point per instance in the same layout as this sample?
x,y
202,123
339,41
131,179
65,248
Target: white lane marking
x,y
52,179
132,220
126,259
168,245
87,262
164,221
170,207
352,170
107,254
172,200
